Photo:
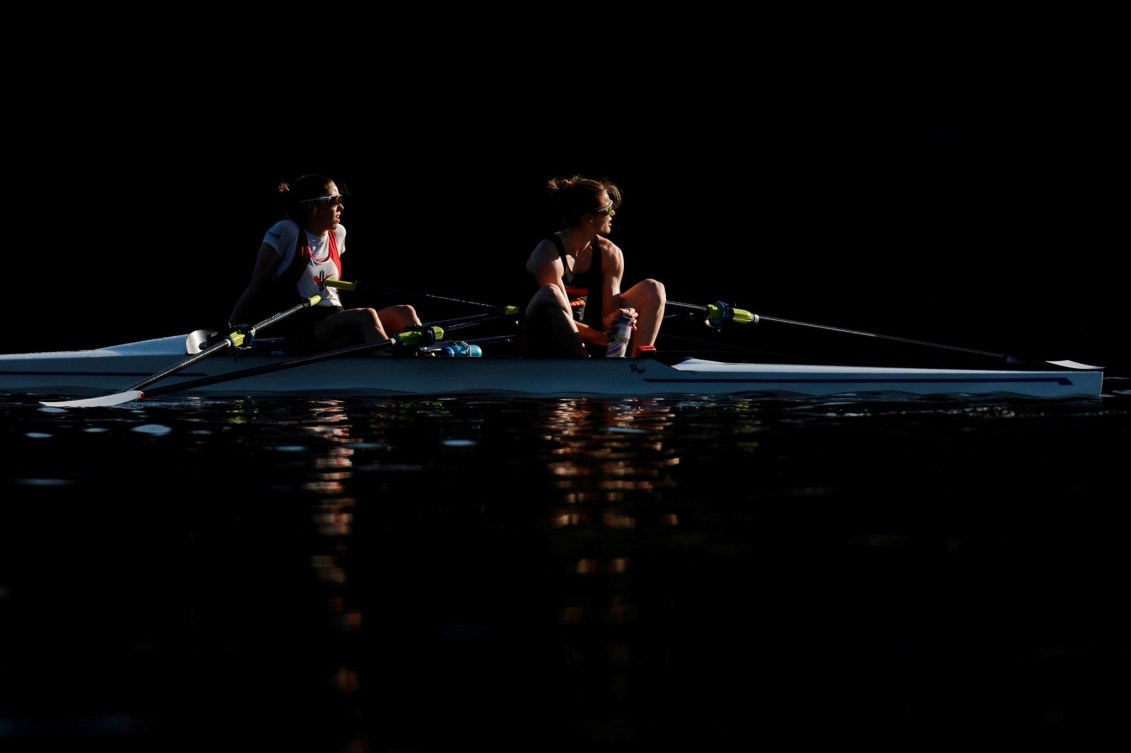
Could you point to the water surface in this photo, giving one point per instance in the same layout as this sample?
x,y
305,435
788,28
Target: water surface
x,y
572,574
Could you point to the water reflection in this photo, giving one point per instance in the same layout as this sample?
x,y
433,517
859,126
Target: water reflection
x,y
569,574
318,446
588,469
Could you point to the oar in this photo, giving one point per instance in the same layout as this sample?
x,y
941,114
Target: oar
x,y
343,285
476,319
425,336
720,313
197,340
233,340
476,342
498,312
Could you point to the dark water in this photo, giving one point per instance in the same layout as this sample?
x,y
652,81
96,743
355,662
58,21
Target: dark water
x,y
575,574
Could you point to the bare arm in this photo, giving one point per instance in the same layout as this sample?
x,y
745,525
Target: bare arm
x,y
546,266
612,267
265,263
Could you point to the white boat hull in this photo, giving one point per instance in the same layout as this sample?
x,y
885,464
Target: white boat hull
x,y
112,369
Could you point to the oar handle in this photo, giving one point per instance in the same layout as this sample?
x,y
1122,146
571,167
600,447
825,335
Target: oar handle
x,y
719,313
311,301
423,336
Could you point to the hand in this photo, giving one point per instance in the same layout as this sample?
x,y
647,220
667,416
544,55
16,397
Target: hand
x,y
611,319
245,332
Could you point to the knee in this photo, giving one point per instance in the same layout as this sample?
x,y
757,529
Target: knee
x,y
550,297
552,292
655,290
397,318
402,313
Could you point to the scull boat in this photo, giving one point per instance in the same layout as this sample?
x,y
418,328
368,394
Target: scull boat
x,y
125,371
210,363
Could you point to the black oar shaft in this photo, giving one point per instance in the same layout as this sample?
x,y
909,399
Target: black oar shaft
x,y
892,338
356,285
426,333
233,339
474,321
720,313
429,334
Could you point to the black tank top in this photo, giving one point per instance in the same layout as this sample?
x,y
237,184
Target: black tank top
x,y
587,283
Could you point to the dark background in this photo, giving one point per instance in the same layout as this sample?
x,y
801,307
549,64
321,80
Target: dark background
x,y
949,181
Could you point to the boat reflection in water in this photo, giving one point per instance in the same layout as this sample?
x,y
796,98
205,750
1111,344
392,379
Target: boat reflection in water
x,y
530,580
559,574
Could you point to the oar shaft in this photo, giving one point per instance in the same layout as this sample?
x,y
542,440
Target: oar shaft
x,y
345,285
411,337
428,333
476,320
891,338
311,301
719,313
234,339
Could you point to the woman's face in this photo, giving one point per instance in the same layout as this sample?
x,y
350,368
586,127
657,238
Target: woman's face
x,y
603,215
325,212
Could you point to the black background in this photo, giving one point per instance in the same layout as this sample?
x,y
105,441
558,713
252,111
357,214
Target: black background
x,y
950,181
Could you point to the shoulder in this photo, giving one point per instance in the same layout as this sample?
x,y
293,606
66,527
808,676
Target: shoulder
x,y
546,248
340,234
281,235
612,259
608,248
544,256
284,226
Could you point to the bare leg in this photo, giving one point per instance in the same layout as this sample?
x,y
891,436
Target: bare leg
x,y
337,330
648,297
396,319
551,303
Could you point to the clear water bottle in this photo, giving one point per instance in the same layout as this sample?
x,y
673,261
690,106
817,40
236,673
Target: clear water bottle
x,y
618,337
460,350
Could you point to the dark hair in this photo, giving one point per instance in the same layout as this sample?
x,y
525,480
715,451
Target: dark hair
x,y
291,194
577,195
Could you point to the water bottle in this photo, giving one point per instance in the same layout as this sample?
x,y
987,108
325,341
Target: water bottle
x,y
618,336
461,350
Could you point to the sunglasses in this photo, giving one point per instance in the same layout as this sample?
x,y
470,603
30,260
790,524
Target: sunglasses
x,y
334,201
609,210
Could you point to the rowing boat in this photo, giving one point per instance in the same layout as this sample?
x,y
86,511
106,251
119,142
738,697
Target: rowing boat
x,y
263,370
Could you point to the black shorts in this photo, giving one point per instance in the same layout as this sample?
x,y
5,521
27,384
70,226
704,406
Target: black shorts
x,y
300,333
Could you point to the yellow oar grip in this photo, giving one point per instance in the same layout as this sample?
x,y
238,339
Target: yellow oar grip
x,y
421,336
742,316
340,284
719,314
